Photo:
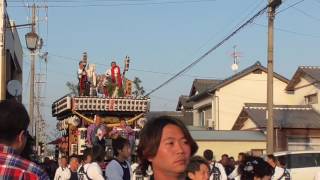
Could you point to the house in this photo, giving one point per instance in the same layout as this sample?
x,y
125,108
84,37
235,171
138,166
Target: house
x,y
305,86
185,106
296,127
297,124
11,54
219,105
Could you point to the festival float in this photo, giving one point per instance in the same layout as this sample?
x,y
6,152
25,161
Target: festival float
x,y
95,112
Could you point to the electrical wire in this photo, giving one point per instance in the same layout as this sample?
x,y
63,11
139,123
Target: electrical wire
x,y
123,4
210,50
289,31
292,5
307,14
134,69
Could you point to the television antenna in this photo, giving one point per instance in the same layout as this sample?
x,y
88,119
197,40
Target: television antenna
x,y
236,56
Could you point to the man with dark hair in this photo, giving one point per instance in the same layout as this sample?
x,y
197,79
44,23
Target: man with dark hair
x,y
278,171
63,172
73,166
198,168
14,122
166,145
217,171
225,161
119,168
94,170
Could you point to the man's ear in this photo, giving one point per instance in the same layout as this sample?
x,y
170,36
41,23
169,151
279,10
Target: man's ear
x,y
20,136
190,175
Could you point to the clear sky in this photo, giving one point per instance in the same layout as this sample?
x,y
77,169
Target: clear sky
x,y
162,37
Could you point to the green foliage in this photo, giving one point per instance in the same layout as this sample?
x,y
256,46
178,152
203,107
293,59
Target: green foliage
x,y
73,88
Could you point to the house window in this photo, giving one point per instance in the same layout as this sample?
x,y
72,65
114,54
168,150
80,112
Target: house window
x,y
303,143
311,99
205,116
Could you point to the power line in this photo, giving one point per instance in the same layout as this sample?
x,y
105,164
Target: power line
x,y
289,31
306,14
139,70
292,5
227,26
123,4
210,50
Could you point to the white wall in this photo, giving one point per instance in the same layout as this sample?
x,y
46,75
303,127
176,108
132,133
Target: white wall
x,y
251,88
304,88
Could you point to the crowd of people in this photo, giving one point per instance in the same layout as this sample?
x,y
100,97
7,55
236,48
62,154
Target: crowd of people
x,y
166,151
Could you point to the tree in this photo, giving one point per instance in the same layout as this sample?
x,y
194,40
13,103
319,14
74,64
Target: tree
x,y
73,88
138,89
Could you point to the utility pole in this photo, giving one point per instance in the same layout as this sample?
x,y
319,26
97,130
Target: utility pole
x,y
32,73
273,4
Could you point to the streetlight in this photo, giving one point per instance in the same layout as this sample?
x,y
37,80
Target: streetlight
x,y
32,44
32,41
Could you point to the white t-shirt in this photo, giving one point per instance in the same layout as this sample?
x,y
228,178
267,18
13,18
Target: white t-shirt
x,y
62,174
223,175
114,170
278,172
235,174
94,171
83,175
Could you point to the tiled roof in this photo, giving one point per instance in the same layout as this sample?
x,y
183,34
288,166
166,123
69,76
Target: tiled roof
x,y
312,71
200,85
285,116
183,102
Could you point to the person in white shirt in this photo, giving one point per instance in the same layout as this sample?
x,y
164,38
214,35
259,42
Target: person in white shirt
x,y
235,174
63,172
278,171
86,160
94,170
216,169
119,168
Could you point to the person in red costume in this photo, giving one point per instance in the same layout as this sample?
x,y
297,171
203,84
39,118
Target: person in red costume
x,y
83,78
114,75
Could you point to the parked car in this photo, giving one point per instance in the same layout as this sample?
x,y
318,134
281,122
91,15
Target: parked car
x,y
302,165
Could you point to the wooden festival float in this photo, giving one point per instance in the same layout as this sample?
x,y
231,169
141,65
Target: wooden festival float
x,y
99,95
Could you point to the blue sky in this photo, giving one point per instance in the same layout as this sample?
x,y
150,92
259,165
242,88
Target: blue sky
x,y
165,36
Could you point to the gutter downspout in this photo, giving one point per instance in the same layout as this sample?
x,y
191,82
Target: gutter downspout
x,y
216,110
3,64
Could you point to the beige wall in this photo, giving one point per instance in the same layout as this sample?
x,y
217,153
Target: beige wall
x,y
251,88
232,148
304,88
248,124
